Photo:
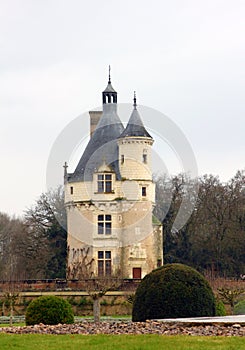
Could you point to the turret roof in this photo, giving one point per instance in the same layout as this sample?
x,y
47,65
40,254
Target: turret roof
x,y
135,126
103,147
109,87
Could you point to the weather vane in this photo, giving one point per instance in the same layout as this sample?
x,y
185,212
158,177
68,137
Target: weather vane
x,y
109,74
135,104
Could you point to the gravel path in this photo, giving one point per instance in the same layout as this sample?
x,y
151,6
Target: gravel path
x,y
148,327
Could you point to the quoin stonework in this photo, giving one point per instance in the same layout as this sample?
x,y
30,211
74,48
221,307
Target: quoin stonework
x,y
110,198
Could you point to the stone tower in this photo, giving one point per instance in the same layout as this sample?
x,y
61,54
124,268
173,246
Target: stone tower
x,y
110,197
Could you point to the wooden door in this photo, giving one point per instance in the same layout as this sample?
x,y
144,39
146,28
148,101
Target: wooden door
x,y
136,272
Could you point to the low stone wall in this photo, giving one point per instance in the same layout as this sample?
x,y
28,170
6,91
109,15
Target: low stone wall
x,y
59,285
82,305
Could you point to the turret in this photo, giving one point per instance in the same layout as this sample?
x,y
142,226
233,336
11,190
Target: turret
x,y
135,149
103,141
109,95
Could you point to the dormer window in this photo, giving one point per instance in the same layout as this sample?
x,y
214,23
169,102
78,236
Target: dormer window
x,y
104,182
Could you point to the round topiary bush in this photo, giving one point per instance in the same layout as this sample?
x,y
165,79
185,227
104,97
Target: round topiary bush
x,y
49,310
171,291
220,308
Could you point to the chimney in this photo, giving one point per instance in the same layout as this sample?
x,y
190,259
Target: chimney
x,y
94,119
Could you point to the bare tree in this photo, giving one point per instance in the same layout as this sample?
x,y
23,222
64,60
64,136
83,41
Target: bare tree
x,y
11,293
82,269
12,232
214,237
46,223
230,296
219,223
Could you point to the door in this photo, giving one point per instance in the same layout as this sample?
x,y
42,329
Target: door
x,y
136,272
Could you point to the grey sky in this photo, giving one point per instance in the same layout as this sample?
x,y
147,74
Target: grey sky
x,y
184,58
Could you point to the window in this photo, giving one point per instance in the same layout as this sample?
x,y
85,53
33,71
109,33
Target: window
x,y
137,231
144,156
104,224
122,158
104,183
104,263
71,188
143,191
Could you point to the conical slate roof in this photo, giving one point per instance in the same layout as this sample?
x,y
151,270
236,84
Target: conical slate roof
x,y
135,126
109,88
102,146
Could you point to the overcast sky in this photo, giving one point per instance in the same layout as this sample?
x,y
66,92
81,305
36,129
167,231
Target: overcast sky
x,y
184,58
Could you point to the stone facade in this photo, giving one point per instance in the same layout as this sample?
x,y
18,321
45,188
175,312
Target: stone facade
x,y
110,198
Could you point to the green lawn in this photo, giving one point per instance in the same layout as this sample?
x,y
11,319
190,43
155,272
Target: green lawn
x,y
121,342
19,324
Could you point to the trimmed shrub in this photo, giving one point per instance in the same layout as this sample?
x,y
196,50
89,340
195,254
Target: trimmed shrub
x,y
220,308
239,308
49,310
171,291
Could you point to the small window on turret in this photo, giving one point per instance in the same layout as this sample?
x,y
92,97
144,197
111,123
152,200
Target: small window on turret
x,y
144,158
71,189
122,158
143,191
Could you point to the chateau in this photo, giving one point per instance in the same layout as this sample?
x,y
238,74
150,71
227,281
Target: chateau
x,y
110,197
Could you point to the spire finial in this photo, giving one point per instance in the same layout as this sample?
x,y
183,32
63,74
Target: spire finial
x,y
109,81
135,104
